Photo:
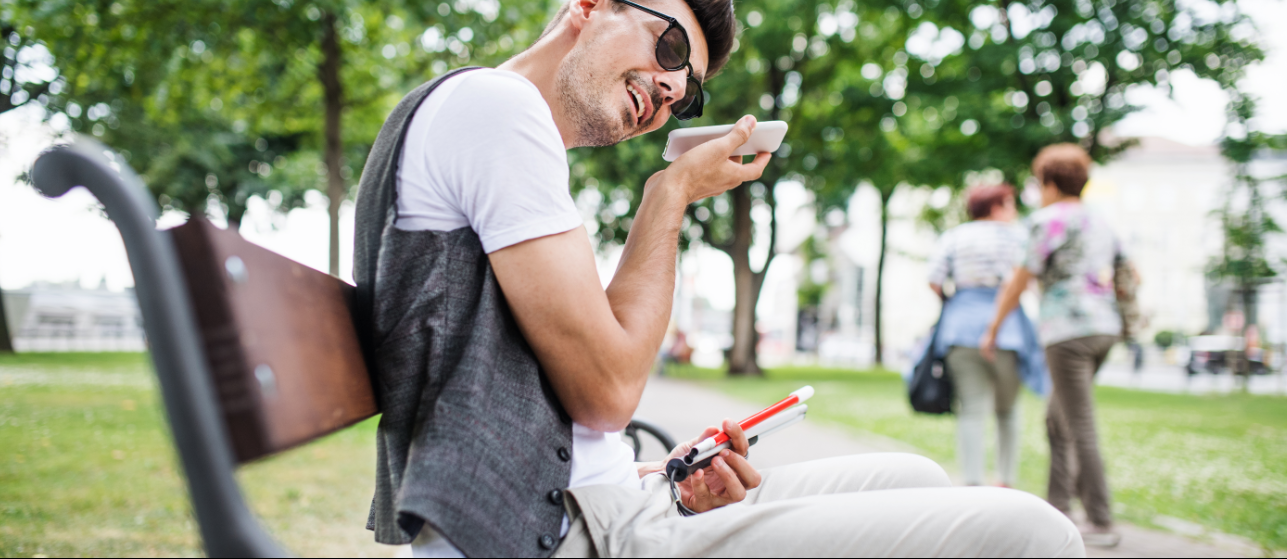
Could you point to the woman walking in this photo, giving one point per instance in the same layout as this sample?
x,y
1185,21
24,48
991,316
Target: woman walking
x,y
1073,255
978,257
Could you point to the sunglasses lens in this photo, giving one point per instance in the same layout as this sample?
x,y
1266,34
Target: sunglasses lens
x,y
672,49
690,106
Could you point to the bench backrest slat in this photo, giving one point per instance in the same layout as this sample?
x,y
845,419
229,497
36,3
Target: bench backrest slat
x,y
279,338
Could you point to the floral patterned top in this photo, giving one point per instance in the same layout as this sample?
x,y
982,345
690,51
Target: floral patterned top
x,y
1072,252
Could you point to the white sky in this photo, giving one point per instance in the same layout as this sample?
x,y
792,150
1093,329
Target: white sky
x,y
67,239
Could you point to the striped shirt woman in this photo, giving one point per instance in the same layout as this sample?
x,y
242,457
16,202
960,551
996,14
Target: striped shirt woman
x,y
979,257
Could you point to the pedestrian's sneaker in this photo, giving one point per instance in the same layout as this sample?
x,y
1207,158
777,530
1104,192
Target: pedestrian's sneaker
x,y
1100,537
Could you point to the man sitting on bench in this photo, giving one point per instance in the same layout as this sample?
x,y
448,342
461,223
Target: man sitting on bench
x,y
506,371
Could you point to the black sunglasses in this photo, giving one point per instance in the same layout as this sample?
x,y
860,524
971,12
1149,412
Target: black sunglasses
x,y
673,50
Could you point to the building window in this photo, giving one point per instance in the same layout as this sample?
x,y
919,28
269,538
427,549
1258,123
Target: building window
x,y
110,326
55,326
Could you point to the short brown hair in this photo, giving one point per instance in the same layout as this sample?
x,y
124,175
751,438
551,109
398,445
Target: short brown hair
x,y
716,17
981,200
1065,165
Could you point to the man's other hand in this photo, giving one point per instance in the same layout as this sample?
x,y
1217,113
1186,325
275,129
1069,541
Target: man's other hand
x,y
711,168
726,480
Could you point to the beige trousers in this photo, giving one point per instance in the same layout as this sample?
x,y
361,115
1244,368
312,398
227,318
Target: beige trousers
x,y
986,388
869,505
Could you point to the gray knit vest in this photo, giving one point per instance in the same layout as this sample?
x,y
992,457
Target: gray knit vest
x,y
473,440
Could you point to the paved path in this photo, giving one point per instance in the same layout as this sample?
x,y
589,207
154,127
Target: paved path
x,y
685,409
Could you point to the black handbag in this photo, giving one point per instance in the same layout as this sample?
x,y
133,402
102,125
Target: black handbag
x,y
931,388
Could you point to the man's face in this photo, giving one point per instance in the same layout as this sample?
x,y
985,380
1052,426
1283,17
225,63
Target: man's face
x,y
611,84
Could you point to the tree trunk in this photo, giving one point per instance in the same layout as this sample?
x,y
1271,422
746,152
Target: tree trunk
x,y
880,276
1242,365
329,74
6,340
742,357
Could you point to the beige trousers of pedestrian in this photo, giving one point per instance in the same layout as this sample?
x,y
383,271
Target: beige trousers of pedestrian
x,y
869,505
985,388
1076,467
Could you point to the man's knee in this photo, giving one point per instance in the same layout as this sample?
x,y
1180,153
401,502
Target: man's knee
x,y
911,471
1033,527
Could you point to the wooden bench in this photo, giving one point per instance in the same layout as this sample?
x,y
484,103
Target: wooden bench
x,y
254,353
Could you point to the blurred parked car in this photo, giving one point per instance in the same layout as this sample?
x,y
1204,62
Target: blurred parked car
x,y
1216,354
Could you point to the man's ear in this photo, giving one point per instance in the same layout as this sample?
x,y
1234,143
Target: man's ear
x,y
581,10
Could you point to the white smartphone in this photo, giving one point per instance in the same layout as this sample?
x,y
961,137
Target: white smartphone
x,y
767,137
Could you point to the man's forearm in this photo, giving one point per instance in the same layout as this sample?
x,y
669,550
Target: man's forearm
x,y
640,298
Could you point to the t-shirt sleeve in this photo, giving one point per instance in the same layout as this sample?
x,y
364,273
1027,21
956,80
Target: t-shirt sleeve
x,y
502,159
940,264
1047,234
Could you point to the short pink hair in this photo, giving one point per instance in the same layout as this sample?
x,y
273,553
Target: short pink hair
x,y
981,200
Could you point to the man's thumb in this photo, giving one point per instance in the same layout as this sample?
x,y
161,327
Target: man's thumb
x,y
741,133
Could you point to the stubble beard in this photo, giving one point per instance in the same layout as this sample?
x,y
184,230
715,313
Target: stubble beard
x,y
597,122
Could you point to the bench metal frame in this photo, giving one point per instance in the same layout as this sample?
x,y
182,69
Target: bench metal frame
x,y
228,528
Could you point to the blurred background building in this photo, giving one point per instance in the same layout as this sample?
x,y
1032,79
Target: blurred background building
x,y
68,317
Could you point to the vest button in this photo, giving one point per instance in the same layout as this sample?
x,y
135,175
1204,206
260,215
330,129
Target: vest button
x,y
564,454
556,497
548,541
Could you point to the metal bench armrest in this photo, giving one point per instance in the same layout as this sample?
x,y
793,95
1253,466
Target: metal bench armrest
x,y
228,529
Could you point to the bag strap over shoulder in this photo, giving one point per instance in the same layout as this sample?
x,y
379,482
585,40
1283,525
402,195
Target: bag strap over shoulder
x,y
377,201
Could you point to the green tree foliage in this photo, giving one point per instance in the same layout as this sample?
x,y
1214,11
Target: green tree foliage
x,y
136,75
232,99
25,74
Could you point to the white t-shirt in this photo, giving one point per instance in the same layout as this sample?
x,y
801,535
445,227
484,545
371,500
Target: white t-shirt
x,y
483,152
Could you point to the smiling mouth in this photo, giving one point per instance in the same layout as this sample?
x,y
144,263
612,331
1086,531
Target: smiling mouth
x,y
640,106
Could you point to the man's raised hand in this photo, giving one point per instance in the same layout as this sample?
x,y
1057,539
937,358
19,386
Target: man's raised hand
x,y
711,168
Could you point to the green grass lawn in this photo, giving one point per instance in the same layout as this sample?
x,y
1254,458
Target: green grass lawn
x,y
1219,461
88,469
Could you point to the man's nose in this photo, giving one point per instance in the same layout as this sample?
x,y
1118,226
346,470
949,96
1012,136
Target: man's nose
x,y
672,85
